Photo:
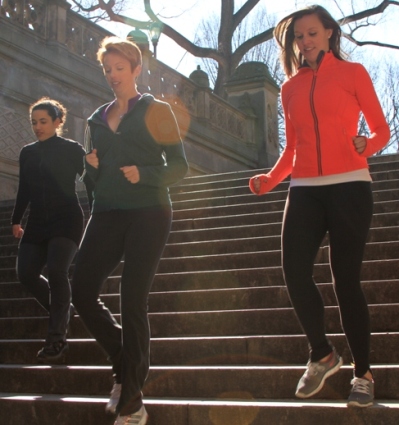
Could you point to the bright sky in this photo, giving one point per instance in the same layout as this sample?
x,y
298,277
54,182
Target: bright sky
x,y
186,15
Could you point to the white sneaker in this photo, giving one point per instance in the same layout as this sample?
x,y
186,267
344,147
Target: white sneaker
x,y
114,398
138,418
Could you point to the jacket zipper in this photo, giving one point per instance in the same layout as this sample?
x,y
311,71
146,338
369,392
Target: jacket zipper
x,y
316,123
43,183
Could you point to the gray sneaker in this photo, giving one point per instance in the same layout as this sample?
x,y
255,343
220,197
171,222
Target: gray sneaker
x,y
362,393
316,373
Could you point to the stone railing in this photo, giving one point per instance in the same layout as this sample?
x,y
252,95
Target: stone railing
x,y
166,83
53,20
30,14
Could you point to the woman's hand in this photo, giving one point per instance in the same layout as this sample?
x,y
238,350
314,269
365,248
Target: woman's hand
x,y
360,143
92,158
131,173
17,231
256,182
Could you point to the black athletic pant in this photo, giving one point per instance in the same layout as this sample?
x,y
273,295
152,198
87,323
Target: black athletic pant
x,y
54,292
344,211
137,236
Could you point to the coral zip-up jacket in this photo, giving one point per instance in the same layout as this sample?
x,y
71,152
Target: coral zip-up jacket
x,y
322,109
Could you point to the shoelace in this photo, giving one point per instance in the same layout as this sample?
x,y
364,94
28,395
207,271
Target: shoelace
x,y
314,369
360,386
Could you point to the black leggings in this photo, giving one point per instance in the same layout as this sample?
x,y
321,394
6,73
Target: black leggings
x,y
139,236
344,211
54,293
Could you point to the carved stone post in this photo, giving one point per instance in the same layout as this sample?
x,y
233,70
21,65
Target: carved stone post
x,y
252,89
57,20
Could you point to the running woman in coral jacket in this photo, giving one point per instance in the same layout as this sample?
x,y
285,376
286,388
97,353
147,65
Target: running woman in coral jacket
x,y
330,189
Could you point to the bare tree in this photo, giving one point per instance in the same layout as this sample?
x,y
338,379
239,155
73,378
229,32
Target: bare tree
x,y
225,53
386,80
385,75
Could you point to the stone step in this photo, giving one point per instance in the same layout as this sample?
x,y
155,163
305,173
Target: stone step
x,y
232,408
373,251
240,188
227,241
222,350
241,179
377,165
216,217
230,228
376,292
259,382
236,278
273,196
193,261
247,214
248,239
266,321
226,227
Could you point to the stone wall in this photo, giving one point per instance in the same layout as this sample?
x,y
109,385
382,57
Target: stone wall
x,y
48,50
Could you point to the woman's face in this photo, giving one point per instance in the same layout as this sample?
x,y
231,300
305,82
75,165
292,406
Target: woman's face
x,y
43,125
119,73
311,38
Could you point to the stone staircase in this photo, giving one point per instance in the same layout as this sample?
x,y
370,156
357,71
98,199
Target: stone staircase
x,y
226,346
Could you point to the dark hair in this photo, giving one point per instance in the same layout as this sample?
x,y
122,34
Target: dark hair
x,y
291,59
54,108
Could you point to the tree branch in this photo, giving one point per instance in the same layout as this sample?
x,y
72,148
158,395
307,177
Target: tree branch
x,y
250,43
92,8
369,43
367,13
243,12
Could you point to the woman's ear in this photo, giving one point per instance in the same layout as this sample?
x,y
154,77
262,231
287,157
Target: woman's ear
x,y
57,122
137,71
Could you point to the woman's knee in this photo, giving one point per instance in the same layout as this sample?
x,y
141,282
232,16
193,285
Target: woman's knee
x,y
27,277
58,276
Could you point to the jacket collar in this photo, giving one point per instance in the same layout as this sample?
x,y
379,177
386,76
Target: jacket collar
x,y
96,116
319,59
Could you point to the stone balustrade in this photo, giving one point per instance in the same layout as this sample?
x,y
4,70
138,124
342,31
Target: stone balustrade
x,y
55,21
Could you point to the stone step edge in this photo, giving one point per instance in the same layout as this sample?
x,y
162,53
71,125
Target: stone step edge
x,y
196,402
238,184
259,269
245,269
212,290
206,312
199,338
252,214
259,368
229,199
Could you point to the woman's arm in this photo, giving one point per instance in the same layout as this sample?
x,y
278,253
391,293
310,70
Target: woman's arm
x,y
373,113
165,131
263,183
79,161
23,194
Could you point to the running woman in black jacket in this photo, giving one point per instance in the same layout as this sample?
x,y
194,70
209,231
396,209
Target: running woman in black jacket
x,y
48,171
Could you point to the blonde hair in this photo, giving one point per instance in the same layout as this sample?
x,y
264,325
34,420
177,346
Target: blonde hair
x,y
291,59
125,48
